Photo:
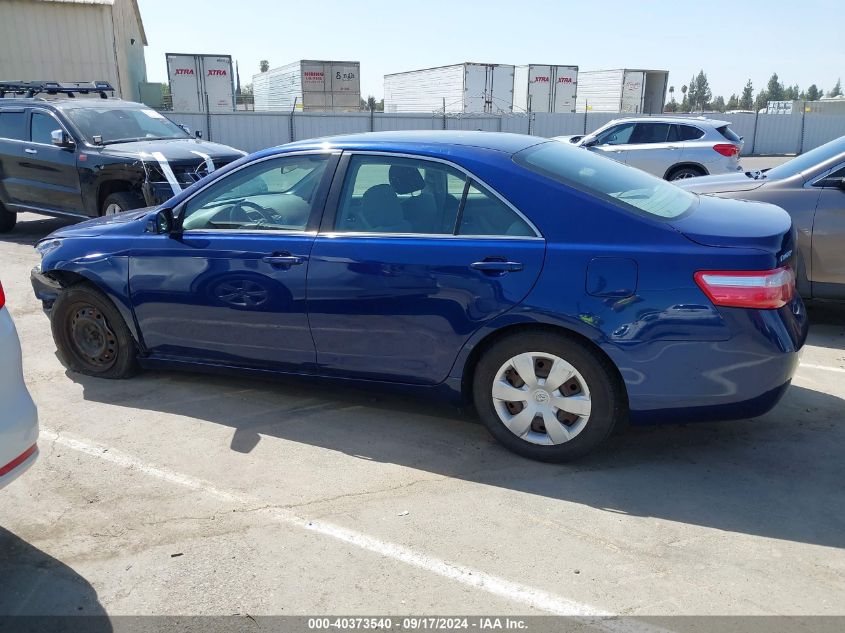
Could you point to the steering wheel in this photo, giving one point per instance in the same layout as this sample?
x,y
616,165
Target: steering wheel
x,y
251,209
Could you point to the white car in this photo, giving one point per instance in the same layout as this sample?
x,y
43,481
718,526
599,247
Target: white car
x,y
668,147
19,417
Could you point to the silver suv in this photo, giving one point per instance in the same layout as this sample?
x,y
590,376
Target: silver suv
x,y
668,147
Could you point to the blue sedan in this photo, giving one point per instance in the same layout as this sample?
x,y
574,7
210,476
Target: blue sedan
x,y
560,292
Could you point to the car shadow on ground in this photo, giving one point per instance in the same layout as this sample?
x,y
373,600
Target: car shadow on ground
x,y
31,228
779,476
40,593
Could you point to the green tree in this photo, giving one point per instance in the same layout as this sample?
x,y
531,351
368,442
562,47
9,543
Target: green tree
x,y
746,101
699,94
762,100
837,89
733,103
718,104
371,103
264,65
812,93
774,89
684,101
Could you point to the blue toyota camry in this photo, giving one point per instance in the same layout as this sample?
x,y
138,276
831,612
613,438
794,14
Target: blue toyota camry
x,y
561,292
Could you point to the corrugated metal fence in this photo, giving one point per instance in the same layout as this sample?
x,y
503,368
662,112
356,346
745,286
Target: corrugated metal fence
x,y
251,131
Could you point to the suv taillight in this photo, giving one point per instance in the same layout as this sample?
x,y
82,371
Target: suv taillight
x,y
2,296
726,149
765,289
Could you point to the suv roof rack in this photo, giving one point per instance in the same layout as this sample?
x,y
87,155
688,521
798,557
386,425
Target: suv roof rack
x,y
31,88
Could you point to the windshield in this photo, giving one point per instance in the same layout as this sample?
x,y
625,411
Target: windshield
x,y
808,160
606,178
109,124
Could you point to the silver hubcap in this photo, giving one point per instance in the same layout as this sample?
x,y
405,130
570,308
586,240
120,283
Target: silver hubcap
x,y
541,398
113,208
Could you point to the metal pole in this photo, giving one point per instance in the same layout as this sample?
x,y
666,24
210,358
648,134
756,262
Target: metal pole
x,y
444,113
292,110
372,118
207,117
803,119
586,107
754,135
529,115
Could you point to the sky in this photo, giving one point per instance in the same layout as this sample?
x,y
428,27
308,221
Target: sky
x,y
732,41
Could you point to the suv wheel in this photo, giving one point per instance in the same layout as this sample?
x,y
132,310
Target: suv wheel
x,y
7,219
681,173
121,201
90,334
547,396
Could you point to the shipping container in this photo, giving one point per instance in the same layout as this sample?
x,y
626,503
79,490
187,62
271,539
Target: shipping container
x,y
622,90
545,88
467,87
309,86
201,83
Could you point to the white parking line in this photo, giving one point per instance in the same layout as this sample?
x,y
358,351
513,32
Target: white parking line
x,y
524,594
823,367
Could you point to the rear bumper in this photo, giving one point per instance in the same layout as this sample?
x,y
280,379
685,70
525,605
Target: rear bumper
x,y
743,377
19,417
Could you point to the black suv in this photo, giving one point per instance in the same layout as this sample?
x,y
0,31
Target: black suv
x,y
86,157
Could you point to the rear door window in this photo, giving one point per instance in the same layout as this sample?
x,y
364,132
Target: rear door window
x,y
689,133
650,133
13,125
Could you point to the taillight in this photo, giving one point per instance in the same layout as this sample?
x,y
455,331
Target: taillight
x,y
726,149
764,289
2,296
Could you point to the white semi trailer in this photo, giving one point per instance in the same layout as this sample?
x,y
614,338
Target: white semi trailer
x,y
309,85
622,90
466,87
545,88
201,83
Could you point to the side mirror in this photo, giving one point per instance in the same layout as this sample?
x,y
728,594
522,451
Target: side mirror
x,y
198,134
162,223
62,139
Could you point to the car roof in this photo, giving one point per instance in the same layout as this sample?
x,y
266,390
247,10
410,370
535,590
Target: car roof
x,y
416,139
68,104
672,119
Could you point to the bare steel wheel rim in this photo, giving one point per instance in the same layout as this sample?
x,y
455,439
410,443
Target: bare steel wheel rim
x,y
92,338
113,208
541,398
684,175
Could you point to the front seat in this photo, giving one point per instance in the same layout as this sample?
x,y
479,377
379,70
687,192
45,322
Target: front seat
x,y
420,210
381,211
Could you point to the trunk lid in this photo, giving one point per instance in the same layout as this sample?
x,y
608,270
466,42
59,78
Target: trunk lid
x,y
739,181
728,223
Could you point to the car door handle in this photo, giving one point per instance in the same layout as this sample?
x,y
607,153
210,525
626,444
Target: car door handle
x,y
496,266
671,147
29,150
283,260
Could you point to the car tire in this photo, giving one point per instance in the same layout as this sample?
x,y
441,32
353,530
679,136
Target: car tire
x,y
589,377
7,219
681,173
90,334
121,201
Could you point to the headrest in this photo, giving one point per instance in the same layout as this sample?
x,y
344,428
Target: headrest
x,y
380,206
406,179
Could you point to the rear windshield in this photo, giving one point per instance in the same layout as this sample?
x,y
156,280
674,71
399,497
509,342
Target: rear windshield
x,y
729,134
808,160
605,178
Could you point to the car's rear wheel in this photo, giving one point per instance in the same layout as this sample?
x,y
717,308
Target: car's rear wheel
x,y
547,396
7,219
120,202
682,173
90,334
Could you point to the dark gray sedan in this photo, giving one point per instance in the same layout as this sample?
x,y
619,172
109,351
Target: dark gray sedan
x,y
811,187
